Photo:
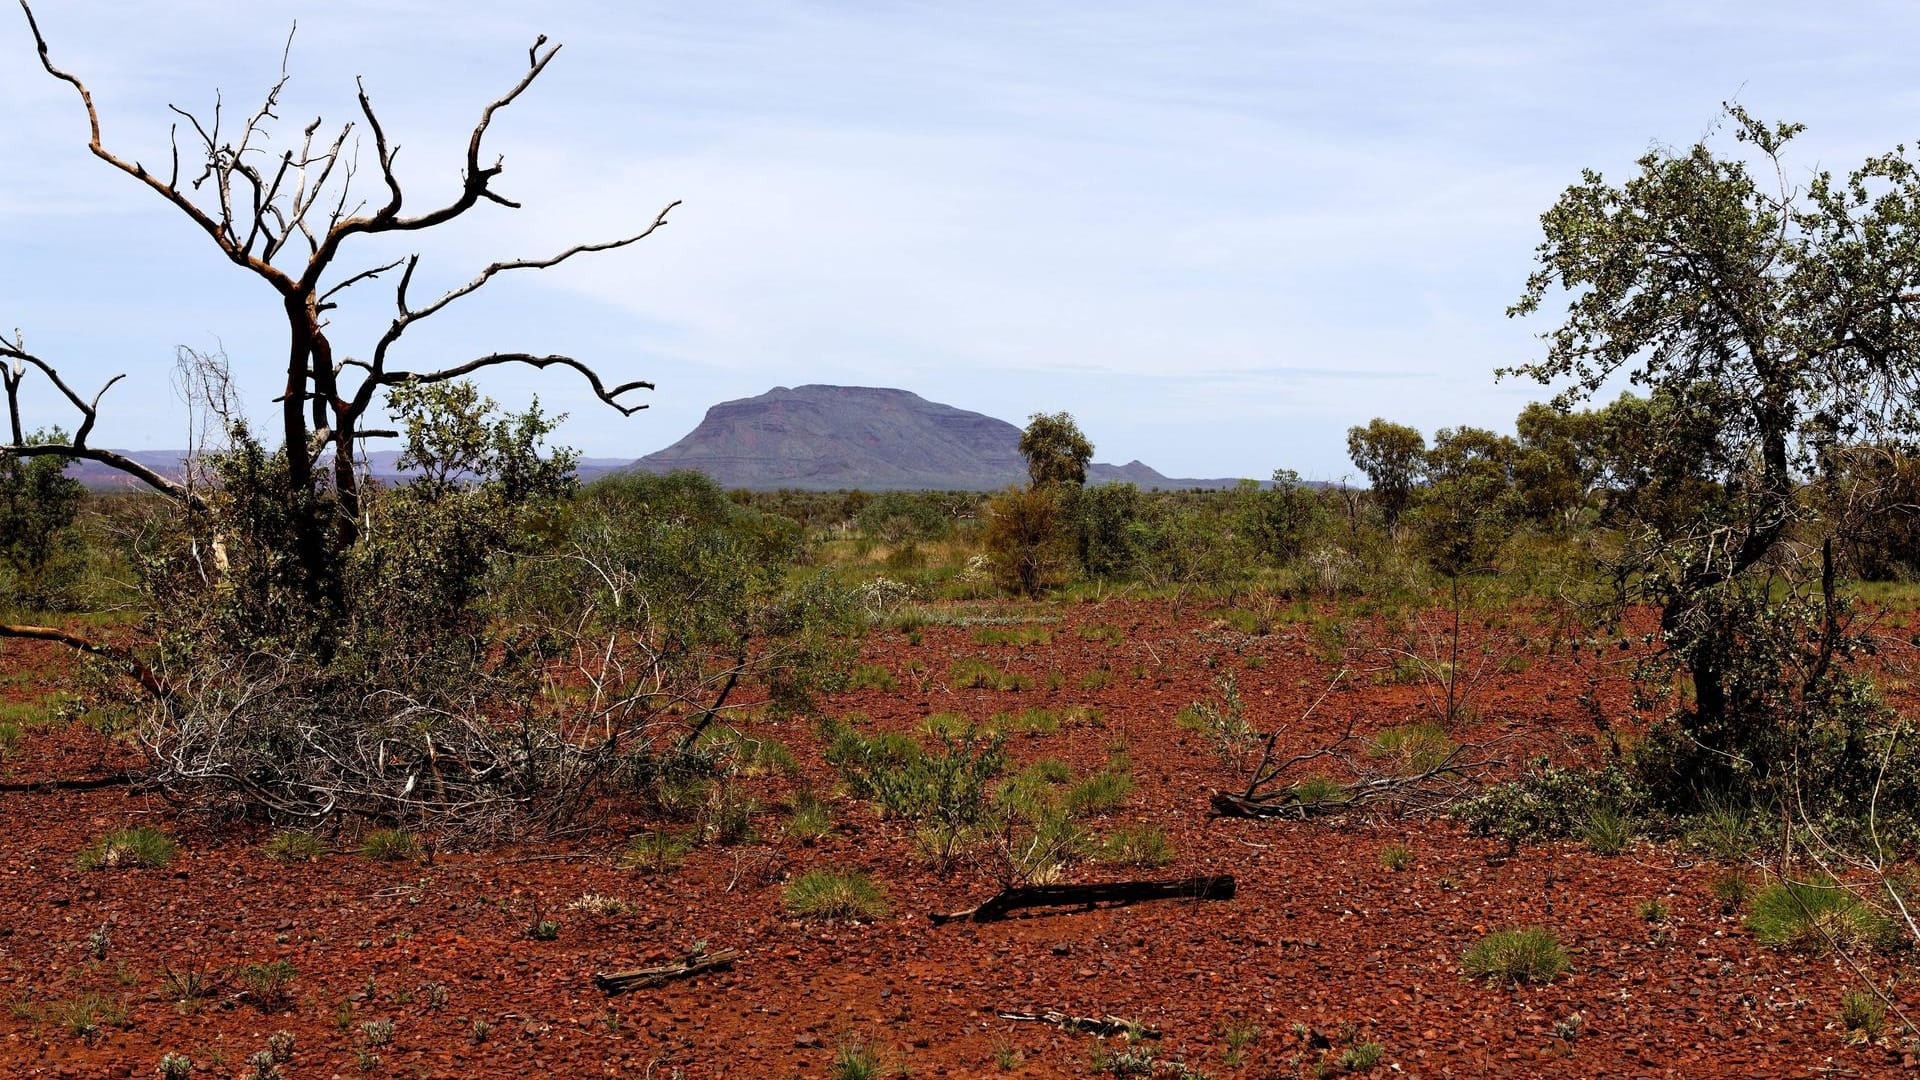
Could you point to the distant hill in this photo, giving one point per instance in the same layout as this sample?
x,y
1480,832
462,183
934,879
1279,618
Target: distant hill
x,y
816,437
837,437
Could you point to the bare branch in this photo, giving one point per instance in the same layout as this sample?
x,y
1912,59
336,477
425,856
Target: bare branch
x,y
610,395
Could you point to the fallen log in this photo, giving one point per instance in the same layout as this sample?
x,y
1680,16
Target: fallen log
x,y
88,784
1114,893
1102,1026
616,982
1227,804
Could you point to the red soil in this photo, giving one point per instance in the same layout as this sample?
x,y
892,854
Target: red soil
x,y
1323,943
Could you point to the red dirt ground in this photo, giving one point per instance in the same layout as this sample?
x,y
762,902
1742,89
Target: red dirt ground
x,y
1322,945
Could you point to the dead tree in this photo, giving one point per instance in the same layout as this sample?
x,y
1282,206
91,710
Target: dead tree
x,y
291,218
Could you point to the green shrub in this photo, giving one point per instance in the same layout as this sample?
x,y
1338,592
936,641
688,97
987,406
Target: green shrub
x,y
1144,846
1651,910
1396,857
1550,801
1527,954
835,894
129,848
1318,791
1815,916
174,1066
390,845
293,845
1722,830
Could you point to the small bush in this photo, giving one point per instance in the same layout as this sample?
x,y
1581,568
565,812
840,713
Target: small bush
x,y
835,894
1528,954
543,930
1814,916
129,848
1141,845
292,845
1396,857
390,845
174,1066
1651,910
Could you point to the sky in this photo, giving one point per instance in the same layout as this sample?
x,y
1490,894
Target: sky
x,y
1218,234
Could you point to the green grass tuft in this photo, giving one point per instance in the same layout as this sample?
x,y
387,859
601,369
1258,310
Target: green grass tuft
x,y
129,849
1527,954
390,845
835,894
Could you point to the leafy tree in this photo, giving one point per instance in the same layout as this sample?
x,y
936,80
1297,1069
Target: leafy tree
x,y
1774,324
1466,506
1056,451
1557,466
1391,455
1279,520
38,504
1111,529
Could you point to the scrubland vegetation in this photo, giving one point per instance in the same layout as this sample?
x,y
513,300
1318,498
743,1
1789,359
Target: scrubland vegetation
x,y
592,726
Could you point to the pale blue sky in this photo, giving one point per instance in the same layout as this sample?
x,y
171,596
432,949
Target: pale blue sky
x,y
1219,234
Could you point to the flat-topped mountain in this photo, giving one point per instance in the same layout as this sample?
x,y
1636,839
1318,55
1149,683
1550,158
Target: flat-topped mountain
x,y
834,437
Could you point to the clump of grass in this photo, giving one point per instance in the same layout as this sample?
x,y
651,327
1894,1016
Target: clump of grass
x,y
972,673
855,1059
1731,888
871,677
1862,1014
655,851
1239,1035
1527,954
835,894
390,845
812,817
84,1016
1098,679
269,984
1413,748
1104,790
1020,636
10,735
1396,857
1723,831
1036,721
293,845
1815,916
1362,1057
1318,791
1608,831
543,930
121,849
1652,910
1112,635
1144,846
